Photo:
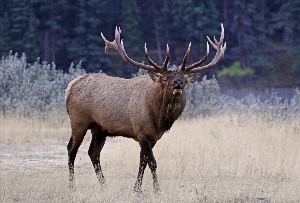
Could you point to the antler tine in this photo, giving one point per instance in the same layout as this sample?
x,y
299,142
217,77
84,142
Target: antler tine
x,y
182,69
166,61
198,63
118,45
218,45
212,44
159,68
108,44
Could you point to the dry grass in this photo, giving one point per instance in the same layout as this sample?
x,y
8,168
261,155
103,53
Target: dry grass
x,y
229,158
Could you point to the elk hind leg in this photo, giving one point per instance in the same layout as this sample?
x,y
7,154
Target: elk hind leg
x,y
73,145
97,143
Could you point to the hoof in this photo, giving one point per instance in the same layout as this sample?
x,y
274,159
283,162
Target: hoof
x,y
138,190
157,191
72,187
156,188
137,187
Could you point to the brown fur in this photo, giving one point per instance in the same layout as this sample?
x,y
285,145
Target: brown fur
x,y
142,108
137,108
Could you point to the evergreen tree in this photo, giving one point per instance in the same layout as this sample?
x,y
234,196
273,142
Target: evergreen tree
x,y
262,35
287,21
132,26
4,35
32,37
259,45
51,28
92,18
18,14
194,20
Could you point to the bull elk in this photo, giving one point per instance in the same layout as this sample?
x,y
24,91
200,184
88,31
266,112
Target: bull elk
x,y
141,108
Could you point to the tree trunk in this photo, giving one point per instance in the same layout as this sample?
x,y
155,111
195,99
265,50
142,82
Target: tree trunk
x,y
225,12
49,40
157,34
46,46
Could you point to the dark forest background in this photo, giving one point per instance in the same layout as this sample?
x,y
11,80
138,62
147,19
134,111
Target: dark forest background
x,y
263,43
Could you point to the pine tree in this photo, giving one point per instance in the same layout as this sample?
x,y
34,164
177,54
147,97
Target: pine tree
x,y
287,20
92,18
32,38
132,26
18,14
194,20
4,35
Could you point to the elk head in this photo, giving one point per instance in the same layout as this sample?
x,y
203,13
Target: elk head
x,y
173,80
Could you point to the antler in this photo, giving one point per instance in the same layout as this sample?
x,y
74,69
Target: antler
x,y
118,45
219,55
164,67
185,58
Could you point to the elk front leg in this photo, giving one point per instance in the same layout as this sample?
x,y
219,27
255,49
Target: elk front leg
x,y
146,156
152,165
143,164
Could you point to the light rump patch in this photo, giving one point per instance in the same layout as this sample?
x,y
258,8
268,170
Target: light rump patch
x,y
71,83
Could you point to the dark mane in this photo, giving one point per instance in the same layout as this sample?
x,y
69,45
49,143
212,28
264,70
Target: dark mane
x,y
166,108
170,113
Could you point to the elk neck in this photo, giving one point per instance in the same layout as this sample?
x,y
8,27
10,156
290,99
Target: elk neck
x,y
165,107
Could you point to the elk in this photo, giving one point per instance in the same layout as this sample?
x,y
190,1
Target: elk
x,y
142,108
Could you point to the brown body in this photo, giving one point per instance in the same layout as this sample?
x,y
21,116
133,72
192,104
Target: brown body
x,y
142,108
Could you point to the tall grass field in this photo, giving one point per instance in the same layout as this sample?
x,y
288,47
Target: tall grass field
x,y
222,149
224,158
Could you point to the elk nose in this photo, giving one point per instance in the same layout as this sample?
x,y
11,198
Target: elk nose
x,y
178,82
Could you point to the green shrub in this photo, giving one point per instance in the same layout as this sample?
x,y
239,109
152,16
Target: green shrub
x,y
235,70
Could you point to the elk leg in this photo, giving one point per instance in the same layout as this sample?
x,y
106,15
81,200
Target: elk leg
x,y
147,156
152,165
73,145
143,164
97,143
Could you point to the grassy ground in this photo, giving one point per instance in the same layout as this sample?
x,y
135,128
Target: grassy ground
x,y
228,158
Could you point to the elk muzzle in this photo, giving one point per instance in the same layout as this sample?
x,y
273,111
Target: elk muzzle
x,y
178,86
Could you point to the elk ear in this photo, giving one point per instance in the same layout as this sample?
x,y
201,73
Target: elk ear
x,y
154,76
191,78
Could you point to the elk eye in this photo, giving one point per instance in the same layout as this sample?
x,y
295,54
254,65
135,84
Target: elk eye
x,y
165,79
